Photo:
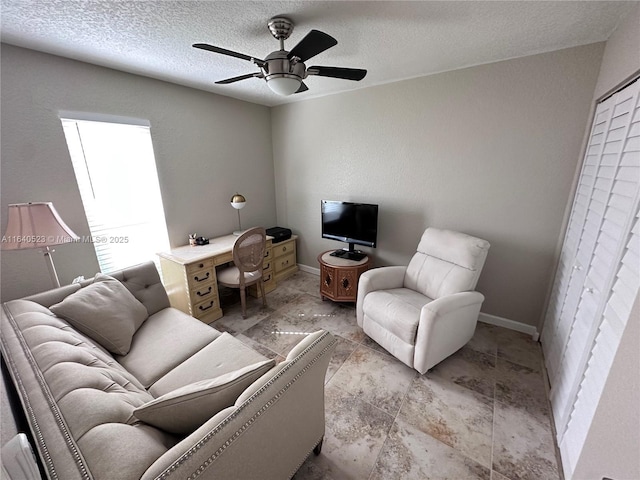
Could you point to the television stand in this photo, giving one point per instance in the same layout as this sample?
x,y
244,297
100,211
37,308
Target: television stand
x,y
339,276
354,255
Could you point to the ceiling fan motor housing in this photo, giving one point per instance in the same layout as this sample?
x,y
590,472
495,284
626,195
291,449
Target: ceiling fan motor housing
x,y
277,64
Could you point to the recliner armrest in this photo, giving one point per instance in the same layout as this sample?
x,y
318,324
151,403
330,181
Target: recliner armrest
x,y
444,305
382,278
446,324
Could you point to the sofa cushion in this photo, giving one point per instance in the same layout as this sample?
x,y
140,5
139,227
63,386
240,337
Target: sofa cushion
x,y
223,355
164,341
186,408
105,311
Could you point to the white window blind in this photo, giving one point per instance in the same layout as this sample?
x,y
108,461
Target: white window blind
x,y
116,173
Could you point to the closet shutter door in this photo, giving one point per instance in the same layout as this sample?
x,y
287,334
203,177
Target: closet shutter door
x,y
623,282
571,271
598,284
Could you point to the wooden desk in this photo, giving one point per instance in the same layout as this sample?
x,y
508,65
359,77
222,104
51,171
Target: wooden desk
x,y
189,274
339,277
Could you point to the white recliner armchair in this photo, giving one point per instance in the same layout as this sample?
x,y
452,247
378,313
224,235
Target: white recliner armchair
x,y
426,311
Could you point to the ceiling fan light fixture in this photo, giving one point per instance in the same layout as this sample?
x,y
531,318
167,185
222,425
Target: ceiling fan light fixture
x,y
284,84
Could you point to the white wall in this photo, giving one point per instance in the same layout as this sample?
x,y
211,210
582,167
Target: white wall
x,y
206,146
612,446
489,150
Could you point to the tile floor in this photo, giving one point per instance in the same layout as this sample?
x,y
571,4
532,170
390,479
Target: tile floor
x,y
480,414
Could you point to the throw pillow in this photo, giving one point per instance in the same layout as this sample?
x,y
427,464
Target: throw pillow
x,y
183,410
105,311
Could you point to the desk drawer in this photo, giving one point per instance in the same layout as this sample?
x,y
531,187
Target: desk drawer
x,y
197,266
282,263
198,277
203,292
284,248
206,307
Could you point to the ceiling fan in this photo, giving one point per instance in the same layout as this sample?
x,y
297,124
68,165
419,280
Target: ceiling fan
x,y
285,71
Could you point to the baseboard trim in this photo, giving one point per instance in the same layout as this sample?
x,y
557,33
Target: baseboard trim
x,y
510,324
308,269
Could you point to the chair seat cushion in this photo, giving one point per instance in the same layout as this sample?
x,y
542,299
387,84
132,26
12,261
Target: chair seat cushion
x,y
231,276
397,310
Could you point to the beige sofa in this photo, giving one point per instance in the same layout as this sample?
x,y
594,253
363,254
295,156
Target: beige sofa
x,y
244,419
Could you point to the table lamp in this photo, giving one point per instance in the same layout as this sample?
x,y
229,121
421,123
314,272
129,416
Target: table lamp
x,y
36,225
238,202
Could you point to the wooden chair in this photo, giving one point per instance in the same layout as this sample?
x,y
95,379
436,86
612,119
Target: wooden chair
x,y
248,256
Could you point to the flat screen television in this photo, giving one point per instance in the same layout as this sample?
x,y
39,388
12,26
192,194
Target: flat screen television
x,y
352,223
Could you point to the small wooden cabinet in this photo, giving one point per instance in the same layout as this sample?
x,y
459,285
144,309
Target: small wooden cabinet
x,y
339,277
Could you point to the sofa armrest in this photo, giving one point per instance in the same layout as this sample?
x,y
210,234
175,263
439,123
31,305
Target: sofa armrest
x,y
445,326
382,278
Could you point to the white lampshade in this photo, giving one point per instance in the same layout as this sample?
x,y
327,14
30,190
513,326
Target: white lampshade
x,y
35,225
284,85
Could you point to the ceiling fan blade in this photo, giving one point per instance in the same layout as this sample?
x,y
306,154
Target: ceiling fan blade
x,y
314,43
303,88
338,72
231,53
237,79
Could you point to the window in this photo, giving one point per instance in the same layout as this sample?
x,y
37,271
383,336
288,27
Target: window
x,y
116,173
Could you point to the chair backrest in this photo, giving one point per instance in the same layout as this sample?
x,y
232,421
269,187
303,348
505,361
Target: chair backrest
x,y
249,249
446,262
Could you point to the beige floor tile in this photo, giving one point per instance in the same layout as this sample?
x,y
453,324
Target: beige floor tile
x,y
523,446
355,433
521,387
519,348
376,378
409,454
454,415
468,368
484,339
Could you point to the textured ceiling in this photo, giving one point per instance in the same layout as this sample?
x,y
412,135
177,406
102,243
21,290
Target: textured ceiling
x,y
393,40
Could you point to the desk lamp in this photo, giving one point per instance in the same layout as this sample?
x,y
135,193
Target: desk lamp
x,y
238,202
36,225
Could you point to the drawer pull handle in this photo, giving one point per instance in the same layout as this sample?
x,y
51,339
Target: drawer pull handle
x,y
201,265
202,279
267,266
200,294
284,249
267,278
206,308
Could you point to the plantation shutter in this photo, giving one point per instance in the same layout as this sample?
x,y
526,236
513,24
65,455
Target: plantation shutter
x,y
597,279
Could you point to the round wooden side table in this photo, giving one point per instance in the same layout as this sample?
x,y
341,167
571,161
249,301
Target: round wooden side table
x,y
339,277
